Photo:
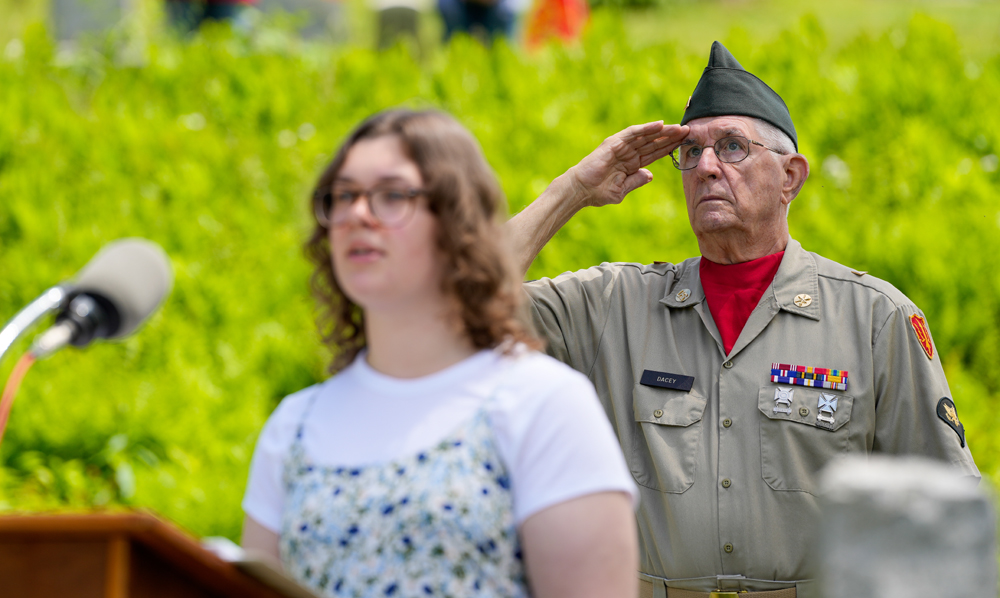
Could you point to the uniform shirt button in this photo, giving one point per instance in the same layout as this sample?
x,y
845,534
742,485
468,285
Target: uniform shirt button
x,y
728,547
803,411
727,422
726,483
728,365
658,413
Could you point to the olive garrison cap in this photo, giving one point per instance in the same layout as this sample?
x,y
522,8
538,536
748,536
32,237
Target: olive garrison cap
x,y
726,88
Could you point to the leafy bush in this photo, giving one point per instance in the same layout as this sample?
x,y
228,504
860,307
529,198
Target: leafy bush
x,y
210,147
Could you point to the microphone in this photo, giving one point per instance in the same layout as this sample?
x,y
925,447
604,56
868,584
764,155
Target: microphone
x,y
111,297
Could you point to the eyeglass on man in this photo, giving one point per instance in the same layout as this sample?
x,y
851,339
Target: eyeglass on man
x,y
390,206
730,149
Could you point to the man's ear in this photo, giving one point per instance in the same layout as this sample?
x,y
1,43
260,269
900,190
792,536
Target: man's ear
x,y
795,174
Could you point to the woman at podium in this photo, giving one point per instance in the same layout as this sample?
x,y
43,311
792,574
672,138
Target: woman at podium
x,y
446,456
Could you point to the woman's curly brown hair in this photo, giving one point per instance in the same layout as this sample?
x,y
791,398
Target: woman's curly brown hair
x,y
463,193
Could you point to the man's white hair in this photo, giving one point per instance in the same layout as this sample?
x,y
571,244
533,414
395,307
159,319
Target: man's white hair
x,y
773,137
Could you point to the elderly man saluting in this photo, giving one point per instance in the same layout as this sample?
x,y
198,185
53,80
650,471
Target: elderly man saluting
x,y
731,379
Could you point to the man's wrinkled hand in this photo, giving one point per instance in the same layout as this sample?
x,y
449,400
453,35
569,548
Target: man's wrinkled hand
x,y
617,166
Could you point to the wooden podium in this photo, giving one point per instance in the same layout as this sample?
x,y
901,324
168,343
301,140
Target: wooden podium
x,y
127,555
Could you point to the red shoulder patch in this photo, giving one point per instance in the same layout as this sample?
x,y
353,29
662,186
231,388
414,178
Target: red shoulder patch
x,y
923,335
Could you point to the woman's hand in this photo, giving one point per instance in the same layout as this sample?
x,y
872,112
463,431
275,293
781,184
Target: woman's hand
x,y
259,539
582,548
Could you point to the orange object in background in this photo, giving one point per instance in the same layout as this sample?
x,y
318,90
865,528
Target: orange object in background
x,y
563,19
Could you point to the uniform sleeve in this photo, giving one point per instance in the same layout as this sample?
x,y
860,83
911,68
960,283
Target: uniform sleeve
x,y
557,443
915,411
264,499
570,312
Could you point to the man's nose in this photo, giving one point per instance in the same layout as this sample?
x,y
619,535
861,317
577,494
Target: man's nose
x,y
709,165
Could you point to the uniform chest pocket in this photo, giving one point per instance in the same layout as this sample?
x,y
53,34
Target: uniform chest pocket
x,y
801,429
667,437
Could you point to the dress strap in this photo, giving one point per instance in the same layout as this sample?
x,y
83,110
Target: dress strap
x,y
296,461
299,430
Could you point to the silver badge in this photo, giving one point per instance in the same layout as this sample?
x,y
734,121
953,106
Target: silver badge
x,y
783,400
827,407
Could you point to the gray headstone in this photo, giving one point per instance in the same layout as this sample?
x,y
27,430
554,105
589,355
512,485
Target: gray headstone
x,y
73,18
905,528
397,22
321,18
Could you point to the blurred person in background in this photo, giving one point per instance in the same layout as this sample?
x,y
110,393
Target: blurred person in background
x,y
445,457
188,15
555,19
734,377
398,20
483,19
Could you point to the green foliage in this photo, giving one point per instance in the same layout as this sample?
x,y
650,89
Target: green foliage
x,y
210,148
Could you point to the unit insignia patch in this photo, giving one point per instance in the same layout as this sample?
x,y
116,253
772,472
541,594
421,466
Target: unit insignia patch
x,y
923,334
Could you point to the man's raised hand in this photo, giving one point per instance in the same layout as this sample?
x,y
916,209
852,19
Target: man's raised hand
x,y
617,166
604,177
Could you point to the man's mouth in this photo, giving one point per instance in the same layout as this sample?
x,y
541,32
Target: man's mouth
x,y
707,198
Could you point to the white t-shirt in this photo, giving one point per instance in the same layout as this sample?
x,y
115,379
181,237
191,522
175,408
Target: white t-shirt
x,y
552,434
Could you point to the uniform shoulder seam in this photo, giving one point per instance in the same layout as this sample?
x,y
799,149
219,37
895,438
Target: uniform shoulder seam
x,y
892,301
604,328
895,302
878,334
647,268
864,284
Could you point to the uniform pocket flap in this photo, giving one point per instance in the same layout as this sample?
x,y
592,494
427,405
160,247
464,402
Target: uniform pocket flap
x,y
667,407
826,409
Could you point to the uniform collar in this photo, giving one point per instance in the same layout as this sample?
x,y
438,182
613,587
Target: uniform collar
x,y
796,276
686,290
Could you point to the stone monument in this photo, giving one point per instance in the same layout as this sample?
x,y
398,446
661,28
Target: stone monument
x,y
904,528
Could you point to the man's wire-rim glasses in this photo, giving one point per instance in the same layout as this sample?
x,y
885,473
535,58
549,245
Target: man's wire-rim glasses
x,y
389,206
732,149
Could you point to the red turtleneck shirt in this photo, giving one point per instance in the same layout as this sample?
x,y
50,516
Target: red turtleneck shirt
x,y
732,292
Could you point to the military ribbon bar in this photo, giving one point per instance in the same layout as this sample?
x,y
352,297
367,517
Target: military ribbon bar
x,y
783,373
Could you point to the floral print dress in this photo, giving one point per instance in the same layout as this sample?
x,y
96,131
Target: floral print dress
x,y
437,523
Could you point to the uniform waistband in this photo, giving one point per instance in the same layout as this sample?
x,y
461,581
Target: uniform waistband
x,y
653,586
648,589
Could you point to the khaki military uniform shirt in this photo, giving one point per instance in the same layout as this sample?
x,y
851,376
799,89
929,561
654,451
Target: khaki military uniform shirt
x,y
728,483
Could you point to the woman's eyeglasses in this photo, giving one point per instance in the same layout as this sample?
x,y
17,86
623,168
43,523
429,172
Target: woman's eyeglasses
x,y
390,206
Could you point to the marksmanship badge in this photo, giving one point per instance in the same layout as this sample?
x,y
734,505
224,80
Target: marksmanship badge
x,y
783,373
827,407
923,334
783,400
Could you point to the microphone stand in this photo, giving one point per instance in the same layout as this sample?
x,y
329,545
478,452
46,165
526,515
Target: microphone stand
x,y
49,301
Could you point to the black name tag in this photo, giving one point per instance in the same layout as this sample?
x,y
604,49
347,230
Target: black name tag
x,y
665,380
